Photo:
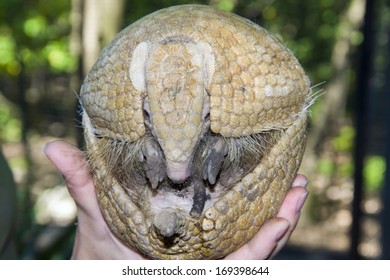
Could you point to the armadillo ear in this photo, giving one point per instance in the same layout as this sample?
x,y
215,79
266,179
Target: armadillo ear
x,y
208,62
137,66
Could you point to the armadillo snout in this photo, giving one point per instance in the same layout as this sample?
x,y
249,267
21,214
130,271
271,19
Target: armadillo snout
x,y
178,172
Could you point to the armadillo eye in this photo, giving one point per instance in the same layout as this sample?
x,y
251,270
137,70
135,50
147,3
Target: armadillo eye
x,y
146,112
206,110
206,118
146,117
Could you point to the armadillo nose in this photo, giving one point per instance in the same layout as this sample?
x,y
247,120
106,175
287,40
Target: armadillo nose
x,y
178,177
178,180
178,172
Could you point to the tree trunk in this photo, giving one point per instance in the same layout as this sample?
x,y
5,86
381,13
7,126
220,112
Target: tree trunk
x,y
102,20
75,43
94,24
330,116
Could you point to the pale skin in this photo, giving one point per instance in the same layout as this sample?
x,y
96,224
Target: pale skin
x,y
94,239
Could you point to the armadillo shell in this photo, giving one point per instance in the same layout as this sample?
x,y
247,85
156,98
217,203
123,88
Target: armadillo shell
x,y
258,85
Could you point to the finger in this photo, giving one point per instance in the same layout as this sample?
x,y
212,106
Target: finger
x,y
71,163
93,239
276,232
300,181
291,209
293,202
263,243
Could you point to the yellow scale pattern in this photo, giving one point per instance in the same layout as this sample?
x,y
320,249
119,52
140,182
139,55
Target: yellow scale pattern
x,y
257,85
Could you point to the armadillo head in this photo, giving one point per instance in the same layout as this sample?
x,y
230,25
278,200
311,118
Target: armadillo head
x,y
174,76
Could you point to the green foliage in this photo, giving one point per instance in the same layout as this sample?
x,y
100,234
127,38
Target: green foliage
x,y
35,36
374,172
35,26
326,166
309,29
226,5
10,125
344,141
137,9
59,57
342,144
8,56
374,166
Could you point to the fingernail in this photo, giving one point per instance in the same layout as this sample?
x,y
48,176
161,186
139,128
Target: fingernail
x,y
301,181
305,182
301,201
43,148
282,232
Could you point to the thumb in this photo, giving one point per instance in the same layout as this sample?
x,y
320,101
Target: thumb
x,y
72,164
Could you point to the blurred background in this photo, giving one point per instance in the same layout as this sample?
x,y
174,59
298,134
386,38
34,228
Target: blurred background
x,y
46,48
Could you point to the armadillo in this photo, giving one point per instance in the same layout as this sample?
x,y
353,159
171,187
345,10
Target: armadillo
x,y
195,124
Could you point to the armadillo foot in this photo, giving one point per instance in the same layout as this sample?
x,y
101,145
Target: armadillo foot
x,y
216,152
154,162
199,199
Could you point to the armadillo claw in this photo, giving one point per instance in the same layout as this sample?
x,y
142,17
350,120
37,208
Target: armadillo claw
x,y
154,162
215,155
199,199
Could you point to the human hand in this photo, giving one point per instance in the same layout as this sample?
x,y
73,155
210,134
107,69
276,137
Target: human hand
x,y
94,240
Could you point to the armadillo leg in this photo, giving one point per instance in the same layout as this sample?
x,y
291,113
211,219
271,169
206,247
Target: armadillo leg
x,y
199,199
154,162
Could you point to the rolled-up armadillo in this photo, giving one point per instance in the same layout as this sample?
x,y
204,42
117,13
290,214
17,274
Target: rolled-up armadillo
x,y
195,123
